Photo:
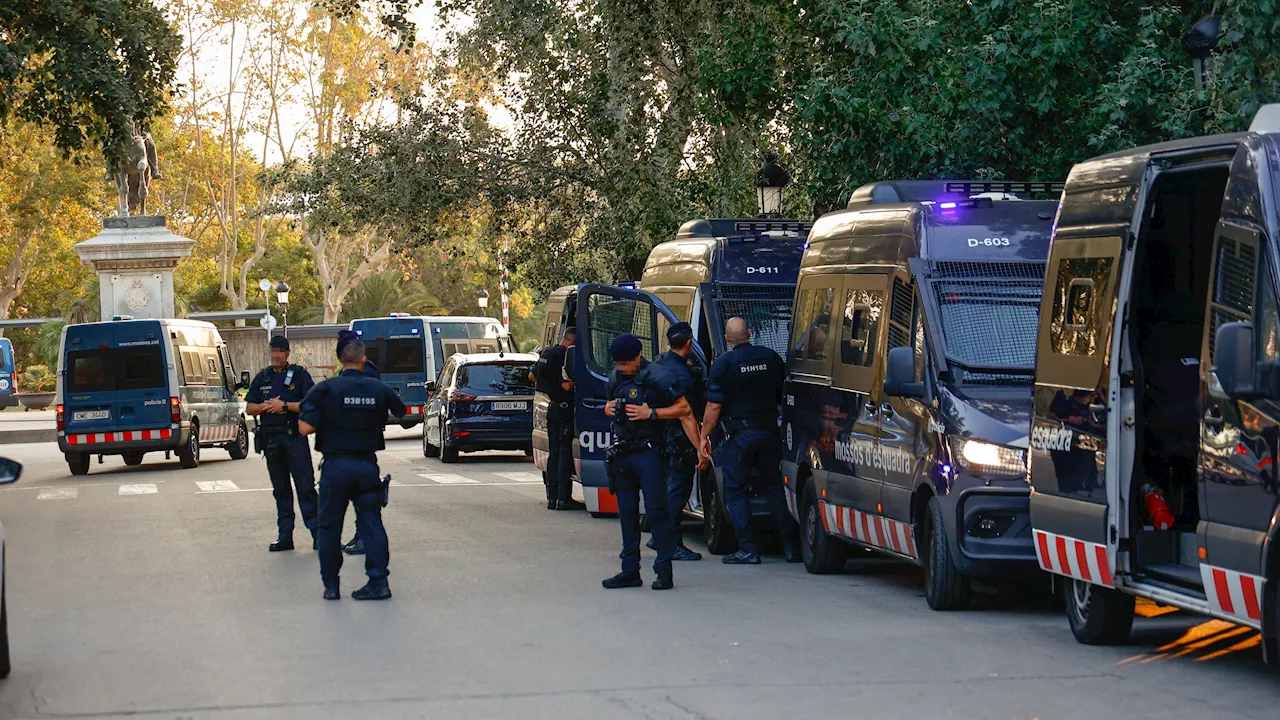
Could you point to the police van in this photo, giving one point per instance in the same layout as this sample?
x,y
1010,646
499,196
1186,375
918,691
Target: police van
x,y
1157,396
129,387
713,270
8,375
908,390
398,346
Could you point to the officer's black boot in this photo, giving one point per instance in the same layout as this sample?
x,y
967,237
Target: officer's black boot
x,y
570,504
741,557
375,589
792,551
664,582
622,580
331,592
284,542
355,547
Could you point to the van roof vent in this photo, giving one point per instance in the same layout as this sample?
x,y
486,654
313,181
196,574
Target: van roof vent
x,y
1267,120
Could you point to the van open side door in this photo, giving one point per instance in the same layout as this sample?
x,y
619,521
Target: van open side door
x,y
604,313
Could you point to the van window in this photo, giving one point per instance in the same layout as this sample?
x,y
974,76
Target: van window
x,y
212,367
901,313
192,370
1268,322
504,378
613,316
1076,320
88,371
403,356
861,326
109,369
1235,265
803,316
141,368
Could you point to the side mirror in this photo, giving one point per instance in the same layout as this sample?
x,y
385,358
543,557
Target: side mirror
x,y
1233,359
570,361
900,374
10,471
431,386
244,378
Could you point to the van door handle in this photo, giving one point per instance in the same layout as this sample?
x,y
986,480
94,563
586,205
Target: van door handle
x,y
886,410
1213,419
1097,409
870,410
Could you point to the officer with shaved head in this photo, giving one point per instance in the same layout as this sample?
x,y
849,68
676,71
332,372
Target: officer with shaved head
x,y
744,390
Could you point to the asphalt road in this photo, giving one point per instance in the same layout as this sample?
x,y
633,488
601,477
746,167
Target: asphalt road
x,y
140,592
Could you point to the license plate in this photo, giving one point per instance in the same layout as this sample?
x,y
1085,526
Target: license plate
x,y
91,415
510,405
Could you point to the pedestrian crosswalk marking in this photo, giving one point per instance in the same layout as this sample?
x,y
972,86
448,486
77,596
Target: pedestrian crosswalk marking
x,y
448,478
215,486
59,494
522,477
139,489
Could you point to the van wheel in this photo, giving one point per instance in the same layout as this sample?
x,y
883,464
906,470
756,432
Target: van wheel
x,y
428,450
945,588
717,531
822,553
133,458
448,454
4,629
1098,615
239,449
79,463
189,454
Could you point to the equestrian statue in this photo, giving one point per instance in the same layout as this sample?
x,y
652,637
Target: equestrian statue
x,y
138,168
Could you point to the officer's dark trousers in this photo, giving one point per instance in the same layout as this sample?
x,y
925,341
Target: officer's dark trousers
x,y
351,480
680,473
743,451
560,454
291,456
633,472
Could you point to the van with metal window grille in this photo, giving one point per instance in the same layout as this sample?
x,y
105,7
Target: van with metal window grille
x,y
1157,389
130,387
908,392
399,347
712,270
8,375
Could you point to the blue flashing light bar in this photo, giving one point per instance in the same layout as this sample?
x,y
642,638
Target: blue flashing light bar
x,y
947,205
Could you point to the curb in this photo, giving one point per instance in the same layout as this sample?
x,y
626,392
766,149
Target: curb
x,y
8,437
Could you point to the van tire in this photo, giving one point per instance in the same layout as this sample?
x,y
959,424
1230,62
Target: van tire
x,y
189,454
239,448
133,458
822,553
4,632
78,463
1098,615
945,587
717,531
428,450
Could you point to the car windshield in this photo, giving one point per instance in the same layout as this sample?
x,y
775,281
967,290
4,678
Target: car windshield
x,y
990,318
496,379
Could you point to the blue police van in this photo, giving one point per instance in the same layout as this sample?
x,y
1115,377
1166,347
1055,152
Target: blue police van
x,y
399,347
8,376
910,369
129,387
713,270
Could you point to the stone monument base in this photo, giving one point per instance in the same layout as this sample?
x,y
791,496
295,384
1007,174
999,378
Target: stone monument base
x,y
134,258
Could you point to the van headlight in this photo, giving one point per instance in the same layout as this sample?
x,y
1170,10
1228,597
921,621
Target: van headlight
x,y
984,458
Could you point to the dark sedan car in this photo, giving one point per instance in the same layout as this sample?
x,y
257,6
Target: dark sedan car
x,y
481,402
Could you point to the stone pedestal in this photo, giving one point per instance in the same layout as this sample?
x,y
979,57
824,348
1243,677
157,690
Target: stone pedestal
x,y
134,258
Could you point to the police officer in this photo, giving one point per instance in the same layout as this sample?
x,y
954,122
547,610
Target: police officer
x,y
680,445
549,378
347,413
274,397
641,396
745,387
356,546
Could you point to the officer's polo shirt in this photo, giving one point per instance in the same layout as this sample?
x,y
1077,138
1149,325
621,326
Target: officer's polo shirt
x,y
349,412
270,383
747,383
652,384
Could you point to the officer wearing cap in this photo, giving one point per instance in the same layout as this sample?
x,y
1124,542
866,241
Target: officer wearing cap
x,y
356,546
347,414
681,442
274,397
744,390
549,378
641,396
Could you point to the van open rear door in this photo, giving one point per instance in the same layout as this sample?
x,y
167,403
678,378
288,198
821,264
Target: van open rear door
x,y
604,313
1076,399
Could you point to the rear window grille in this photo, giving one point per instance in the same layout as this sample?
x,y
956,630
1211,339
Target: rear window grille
x,y
768,319
990,316
743,290
900,313
1001,270
1232,287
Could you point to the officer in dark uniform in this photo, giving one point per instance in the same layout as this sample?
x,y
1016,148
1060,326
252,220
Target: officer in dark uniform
x,y
745,387
641,396
549,378
356,546
347,413
274,397
680,446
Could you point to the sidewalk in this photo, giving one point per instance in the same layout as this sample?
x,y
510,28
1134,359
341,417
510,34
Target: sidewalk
x,y
17,426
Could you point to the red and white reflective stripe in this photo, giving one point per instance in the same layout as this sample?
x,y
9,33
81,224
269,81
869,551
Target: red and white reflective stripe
x,y
600,500
1074,558
874,530
791,503
540,459
218,433
122,436
1234,593
414,410
577,468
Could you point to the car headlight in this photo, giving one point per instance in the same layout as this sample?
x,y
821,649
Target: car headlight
x,y
984,458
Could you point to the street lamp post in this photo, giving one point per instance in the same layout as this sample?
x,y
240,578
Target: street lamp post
x,y
770,181
282,297
1200,43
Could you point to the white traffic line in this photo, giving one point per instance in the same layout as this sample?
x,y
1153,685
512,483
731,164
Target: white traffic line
x,y
448,479
521,477
139,489
59,494
216,486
